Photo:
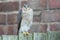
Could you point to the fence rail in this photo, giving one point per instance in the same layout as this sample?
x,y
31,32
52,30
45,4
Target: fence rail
x,y
33,36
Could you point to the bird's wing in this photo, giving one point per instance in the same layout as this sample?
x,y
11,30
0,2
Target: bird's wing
x,y
19,19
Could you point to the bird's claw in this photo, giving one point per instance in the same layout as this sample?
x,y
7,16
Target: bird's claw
x,y
26,33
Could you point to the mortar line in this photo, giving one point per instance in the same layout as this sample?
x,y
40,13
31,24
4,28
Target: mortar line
x,y
8,1
46,23
48,28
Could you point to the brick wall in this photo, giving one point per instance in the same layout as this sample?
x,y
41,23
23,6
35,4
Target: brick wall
x,y
46,16
8,17
49,16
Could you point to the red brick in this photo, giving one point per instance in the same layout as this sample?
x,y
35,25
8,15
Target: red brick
x,y
9,6
54,3
10,30
50,16
2,19
1,29
44,28
43,4
36,18
38,28
15,29
37,4
55,27
12,18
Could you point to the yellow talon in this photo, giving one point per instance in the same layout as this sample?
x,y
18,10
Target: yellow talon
x,y
26,33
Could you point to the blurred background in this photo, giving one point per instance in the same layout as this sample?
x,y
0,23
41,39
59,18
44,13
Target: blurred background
x,y
46,15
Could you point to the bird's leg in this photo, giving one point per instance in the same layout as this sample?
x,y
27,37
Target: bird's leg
x,y
26,33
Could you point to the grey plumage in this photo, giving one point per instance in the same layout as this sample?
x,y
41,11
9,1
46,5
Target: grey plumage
x,y
25,18
19,19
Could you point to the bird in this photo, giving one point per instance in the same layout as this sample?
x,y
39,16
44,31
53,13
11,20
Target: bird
x,y
25,19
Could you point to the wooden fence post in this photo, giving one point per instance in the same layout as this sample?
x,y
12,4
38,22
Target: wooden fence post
x,y
22,37
40,36
54,35
0,37
10,37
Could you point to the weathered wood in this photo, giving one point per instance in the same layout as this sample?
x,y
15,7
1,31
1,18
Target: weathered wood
x,y
54,36
0,38
22,37
40,36
33,36
10,37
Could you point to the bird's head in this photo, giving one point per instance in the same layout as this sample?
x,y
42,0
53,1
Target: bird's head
x,y
26,5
